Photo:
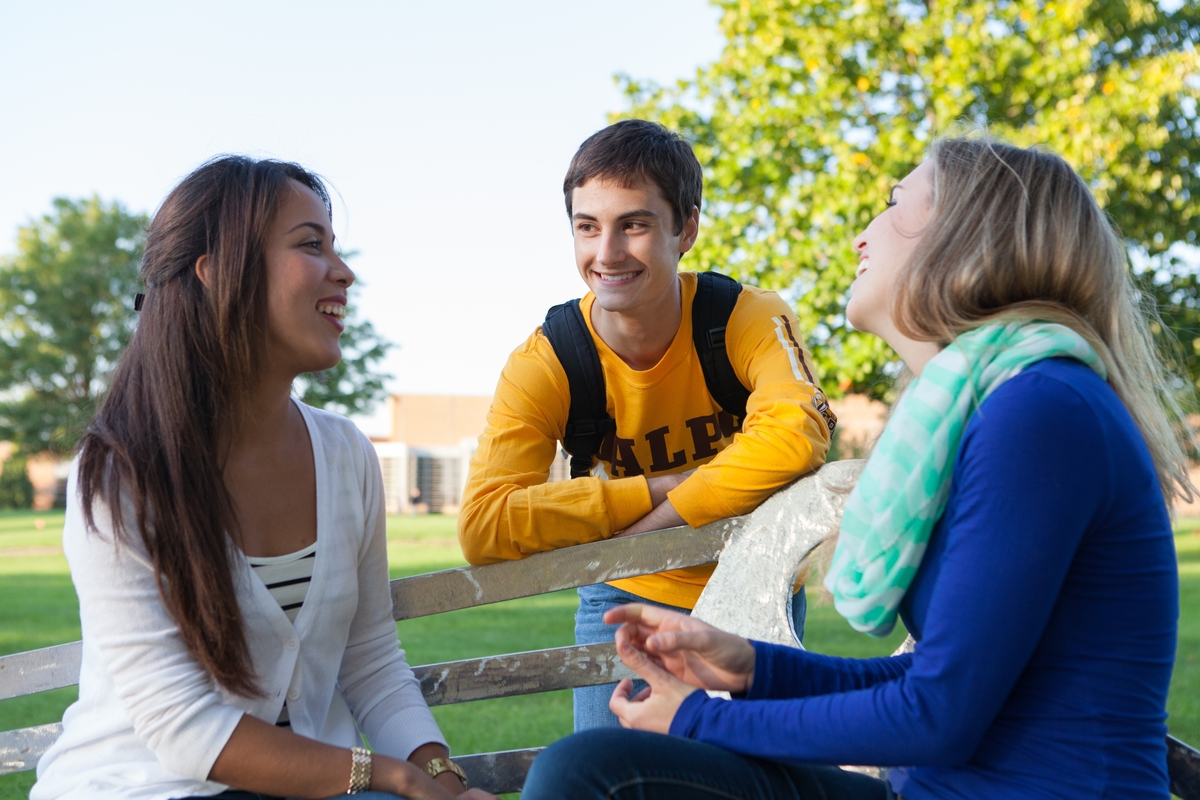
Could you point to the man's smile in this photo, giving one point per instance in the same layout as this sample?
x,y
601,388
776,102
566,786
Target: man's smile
x,y
616,277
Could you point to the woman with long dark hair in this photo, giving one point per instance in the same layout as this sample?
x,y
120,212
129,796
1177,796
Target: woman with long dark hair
x,y
1013,513
227,542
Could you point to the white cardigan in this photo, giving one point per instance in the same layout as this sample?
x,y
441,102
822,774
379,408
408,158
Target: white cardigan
x,y
150,722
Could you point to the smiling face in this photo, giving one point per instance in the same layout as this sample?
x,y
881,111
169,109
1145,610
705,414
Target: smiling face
x,y
625,246
885,247
306,285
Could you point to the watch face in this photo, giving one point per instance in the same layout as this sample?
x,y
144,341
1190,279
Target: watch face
x,y
437,766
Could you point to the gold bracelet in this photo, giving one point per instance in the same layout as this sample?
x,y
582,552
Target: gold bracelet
x,y
360,770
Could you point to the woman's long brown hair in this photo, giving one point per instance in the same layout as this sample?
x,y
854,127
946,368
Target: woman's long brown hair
x,y
152,455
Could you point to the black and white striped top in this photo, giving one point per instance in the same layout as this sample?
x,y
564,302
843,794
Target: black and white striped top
x,y
287,578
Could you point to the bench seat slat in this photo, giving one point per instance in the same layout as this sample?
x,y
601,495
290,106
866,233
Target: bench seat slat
x,y
504,771
1183,767
570,567
442,684
498,773
501,772
520,673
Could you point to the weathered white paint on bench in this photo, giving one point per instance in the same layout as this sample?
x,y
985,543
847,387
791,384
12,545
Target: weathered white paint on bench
x,y
750,591
583,565
21,749
521,673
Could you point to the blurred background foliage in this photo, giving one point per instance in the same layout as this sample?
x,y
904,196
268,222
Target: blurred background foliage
x,y
66,313
815,108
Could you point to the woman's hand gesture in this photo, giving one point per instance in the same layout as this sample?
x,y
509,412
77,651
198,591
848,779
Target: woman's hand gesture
x,y
654,707
692,651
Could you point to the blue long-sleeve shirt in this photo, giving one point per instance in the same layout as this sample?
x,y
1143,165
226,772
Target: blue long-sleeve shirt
x,y
1045,611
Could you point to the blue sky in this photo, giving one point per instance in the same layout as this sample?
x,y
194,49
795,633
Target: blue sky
x,y
444,127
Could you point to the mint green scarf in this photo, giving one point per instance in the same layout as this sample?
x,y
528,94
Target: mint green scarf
x,y
904,486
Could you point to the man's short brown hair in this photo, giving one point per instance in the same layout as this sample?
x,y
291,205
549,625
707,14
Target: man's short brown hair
x,y
636,149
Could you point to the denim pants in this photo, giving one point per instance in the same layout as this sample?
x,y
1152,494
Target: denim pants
x,y
618,764
591,702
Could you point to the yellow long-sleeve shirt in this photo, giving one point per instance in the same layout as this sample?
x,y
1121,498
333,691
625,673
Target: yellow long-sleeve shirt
x,y
666,423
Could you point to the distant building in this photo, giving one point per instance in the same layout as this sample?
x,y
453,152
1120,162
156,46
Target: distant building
x,y
47,474
860,420
425,457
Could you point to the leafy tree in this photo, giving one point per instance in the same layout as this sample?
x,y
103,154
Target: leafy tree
x,y
816,107
15,489
66,314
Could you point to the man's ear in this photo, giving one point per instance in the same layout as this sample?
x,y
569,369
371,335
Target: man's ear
x,y
691,230
203,272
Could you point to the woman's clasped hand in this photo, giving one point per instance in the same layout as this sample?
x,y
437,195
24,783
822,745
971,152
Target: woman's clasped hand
x,y
676,655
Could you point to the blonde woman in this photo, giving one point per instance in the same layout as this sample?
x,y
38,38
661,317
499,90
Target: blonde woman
x,y
1014,514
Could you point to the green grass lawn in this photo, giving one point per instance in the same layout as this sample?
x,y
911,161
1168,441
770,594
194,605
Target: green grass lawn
x,y
38,609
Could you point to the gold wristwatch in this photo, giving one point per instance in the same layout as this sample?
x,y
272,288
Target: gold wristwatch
x,y
437,766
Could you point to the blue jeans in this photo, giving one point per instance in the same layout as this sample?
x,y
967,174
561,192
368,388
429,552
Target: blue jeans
x,y
616,764
591,702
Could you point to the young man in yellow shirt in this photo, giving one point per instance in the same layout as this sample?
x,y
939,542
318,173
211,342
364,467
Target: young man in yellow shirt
x,y
676,457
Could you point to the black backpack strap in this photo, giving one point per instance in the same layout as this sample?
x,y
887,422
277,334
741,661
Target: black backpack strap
x,y
588,421
716,295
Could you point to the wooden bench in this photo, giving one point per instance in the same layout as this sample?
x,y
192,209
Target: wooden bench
x,y
762,550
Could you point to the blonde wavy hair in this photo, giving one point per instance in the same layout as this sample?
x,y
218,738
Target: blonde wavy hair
x,y
1016,234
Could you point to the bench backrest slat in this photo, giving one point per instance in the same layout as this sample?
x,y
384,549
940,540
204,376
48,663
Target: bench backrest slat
x,y
40,670
442,684
583,565
521,673
21,749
